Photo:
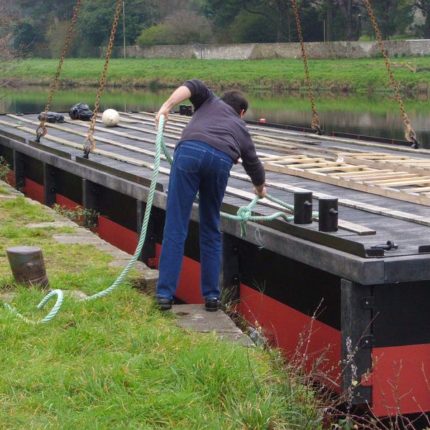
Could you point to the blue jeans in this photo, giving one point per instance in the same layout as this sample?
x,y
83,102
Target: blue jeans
x,y
197,167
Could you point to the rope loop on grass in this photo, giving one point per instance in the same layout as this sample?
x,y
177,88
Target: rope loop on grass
x,y
52,313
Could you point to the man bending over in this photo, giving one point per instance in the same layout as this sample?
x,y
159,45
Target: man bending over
x,y
214,139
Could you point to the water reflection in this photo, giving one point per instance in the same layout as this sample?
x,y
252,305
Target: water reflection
x,y
33,99
372,116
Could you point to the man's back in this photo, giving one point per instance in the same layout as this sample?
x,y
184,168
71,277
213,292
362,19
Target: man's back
x,y
216,123
220,126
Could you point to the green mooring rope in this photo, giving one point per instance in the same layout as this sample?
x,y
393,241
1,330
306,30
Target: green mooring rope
x,y
244,214
60,296
51,314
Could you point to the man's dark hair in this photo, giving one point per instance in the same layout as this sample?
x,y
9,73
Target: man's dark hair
x,y
236,100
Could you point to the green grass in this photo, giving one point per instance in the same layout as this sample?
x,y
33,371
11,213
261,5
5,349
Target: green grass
x,y
340,74
4,190
378,104
19,211
117,363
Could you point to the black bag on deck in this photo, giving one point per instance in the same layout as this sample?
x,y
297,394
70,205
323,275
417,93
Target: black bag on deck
x,y
81,111
51,117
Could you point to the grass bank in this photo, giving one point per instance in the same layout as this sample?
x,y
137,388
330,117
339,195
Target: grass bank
x,y
117,362
361,75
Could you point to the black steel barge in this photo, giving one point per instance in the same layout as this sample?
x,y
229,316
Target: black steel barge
x,y
354,283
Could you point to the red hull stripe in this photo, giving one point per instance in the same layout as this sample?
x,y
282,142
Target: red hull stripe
x,y
297,334
117,235
284,326
10,178
189,281
66,202
401,379
34,190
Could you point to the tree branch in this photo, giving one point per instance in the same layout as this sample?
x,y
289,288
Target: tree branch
x,y
257,12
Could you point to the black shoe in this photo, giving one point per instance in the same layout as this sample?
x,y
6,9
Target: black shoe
x,y
164,304
212,304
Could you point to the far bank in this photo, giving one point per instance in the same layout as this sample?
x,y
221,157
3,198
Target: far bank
x,y
339,75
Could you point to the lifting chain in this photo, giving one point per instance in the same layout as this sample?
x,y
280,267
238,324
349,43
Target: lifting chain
x,y
90,143
42,130
410,134
315,124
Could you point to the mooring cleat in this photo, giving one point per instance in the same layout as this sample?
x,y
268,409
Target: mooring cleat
x,y
318,130
41,132
87,149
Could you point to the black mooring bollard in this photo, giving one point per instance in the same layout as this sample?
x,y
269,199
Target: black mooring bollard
x,y
27,265
328,214
303,207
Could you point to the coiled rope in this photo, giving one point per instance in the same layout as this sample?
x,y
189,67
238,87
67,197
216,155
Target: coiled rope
x,y
244,214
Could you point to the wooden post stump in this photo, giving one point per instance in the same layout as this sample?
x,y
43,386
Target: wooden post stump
x,y
27,265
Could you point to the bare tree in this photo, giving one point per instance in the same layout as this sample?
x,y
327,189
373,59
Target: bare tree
x,y
177,25
283,24
8,14
424,7
281,19
167,7
345,7
329,19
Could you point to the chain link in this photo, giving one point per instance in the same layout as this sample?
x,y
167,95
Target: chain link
x,y
42,130
90,143
410,134
315,124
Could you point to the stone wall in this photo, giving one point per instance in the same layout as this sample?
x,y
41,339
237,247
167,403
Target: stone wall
x,y
248,51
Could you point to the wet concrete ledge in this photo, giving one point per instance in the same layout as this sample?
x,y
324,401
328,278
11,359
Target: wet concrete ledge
x,y
195,318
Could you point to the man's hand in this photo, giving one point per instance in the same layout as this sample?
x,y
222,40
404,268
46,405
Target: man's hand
x,y
164,110
260,191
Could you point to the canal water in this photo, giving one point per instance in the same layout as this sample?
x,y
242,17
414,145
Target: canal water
x,y
375,115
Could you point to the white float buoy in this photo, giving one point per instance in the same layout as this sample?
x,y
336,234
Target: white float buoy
x,y
110,118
